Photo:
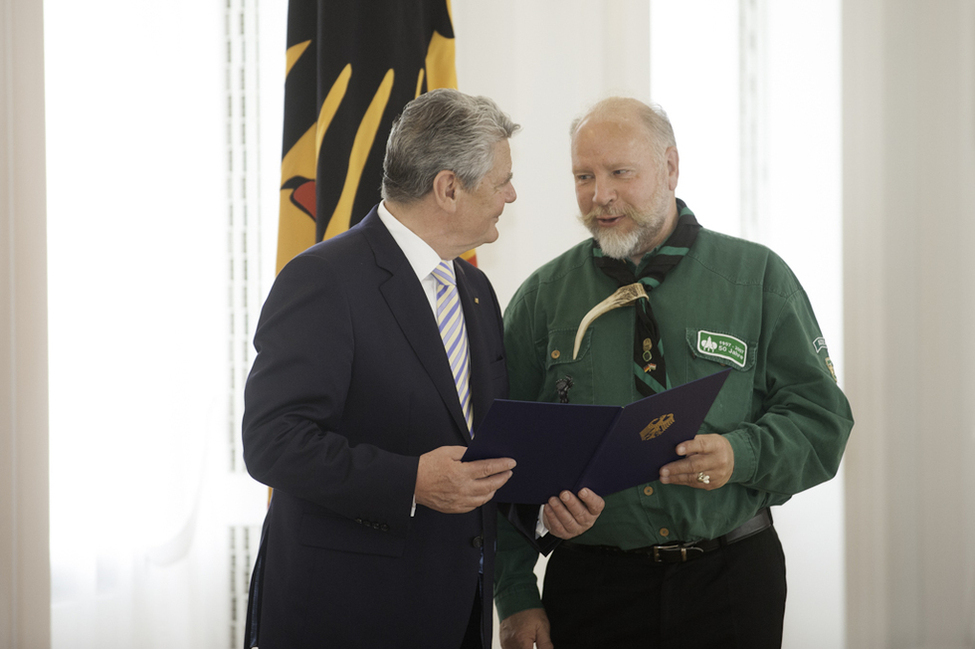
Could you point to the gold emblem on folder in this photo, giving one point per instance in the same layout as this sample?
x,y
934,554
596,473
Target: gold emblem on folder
x,y
656,427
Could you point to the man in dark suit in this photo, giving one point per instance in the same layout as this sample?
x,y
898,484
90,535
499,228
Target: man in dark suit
x,y
377,534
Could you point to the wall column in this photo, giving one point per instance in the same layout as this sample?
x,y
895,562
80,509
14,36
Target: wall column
x,y
909,232
25,576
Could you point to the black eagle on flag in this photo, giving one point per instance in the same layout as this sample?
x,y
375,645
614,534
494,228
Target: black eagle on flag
x,y
351,67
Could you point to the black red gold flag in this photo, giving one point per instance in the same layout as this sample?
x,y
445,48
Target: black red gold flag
x,y
351,67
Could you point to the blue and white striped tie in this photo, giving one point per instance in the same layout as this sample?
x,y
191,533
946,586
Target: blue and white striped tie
x,y
450,320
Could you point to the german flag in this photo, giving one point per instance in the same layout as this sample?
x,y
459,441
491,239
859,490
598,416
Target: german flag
x,y
351,67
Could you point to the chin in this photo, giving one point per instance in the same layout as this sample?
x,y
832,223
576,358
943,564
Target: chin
x,y
615,251
616,244
490,236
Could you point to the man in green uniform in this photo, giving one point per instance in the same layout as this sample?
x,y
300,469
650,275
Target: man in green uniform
x,y
690,560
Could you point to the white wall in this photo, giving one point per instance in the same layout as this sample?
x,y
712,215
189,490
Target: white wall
x,y
544,63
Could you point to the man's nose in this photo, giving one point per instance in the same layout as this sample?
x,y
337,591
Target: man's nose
x,y
603,192
512,195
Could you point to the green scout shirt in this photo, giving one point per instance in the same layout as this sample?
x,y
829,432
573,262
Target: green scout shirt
x,y
728,303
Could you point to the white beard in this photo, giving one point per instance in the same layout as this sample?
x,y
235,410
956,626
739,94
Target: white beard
x,y
637,241
618,245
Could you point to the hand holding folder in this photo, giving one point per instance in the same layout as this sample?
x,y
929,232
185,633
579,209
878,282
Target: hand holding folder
x,y
605,448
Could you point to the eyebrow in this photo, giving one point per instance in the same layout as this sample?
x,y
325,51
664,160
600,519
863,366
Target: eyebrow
x,y
506,180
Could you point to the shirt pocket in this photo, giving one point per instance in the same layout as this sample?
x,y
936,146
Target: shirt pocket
x,y
562,369
712,350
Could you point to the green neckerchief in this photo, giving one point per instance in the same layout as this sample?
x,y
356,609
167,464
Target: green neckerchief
x,y
648,354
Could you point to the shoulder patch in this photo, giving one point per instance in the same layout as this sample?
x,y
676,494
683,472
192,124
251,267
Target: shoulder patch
x,y
832,370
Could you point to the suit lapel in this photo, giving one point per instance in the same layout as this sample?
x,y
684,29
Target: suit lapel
x,y
408,303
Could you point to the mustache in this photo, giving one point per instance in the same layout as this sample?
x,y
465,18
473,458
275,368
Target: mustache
x,y
599,212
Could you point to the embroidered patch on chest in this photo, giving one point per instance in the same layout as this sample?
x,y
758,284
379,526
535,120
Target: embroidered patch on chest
x,y
722,346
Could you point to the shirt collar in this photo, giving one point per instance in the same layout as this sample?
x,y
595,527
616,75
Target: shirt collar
x,y
423,259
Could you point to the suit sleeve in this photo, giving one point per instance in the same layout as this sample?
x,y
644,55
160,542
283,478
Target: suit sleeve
x,y
294,400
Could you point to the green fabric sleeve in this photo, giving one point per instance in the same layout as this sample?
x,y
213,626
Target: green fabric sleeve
x,y
515,584
805,421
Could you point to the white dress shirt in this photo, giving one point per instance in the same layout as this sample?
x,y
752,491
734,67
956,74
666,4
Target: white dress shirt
x,y
423,259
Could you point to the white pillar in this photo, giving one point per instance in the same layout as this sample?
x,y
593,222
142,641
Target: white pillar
x,y
25,602
909,210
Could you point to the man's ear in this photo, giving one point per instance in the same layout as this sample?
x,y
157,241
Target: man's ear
x,y
446,190
673,167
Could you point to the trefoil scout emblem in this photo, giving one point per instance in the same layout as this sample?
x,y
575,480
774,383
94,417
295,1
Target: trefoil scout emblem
x,y
656,427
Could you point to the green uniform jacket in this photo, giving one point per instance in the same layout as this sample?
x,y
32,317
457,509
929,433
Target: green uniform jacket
x,y
728,303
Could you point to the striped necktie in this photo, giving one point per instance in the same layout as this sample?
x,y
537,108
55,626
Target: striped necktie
x,y
450,320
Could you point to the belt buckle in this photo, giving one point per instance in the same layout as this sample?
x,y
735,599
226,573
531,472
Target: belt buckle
x,y
658,558
656,551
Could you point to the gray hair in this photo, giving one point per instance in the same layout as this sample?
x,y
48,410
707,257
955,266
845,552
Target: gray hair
x,y
653,117
443,129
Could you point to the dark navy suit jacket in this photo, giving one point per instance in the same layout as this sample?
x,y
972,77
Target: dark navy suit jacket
x,y
349,387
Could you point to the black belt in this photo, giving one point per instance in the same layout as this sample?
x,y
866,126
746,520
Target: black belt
x,y
681,552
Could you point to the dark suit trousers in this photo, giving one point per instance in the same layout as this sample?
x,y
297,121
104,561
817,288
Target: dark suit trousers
x,y
732,597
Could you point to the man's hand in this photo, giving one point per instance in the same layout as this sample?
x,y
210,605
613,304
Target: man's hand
x,y
446,484
568,516
526,629
708,454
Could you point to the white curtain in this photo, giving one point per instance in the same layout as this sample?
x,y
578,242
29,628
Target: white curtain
x,y
153,521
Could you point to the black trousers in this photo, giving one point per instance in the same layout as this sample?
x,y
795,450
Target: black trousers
x,y
732,597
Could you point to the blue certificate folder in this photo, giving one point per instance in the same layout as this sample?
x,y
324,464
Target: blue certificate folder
x,y
607,448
